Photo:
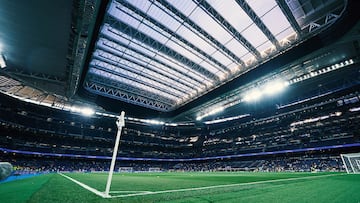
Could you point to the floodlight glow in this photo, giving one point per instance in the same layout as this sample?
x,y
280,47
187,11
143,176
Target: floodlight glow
x,y
226,119
87,111
75,109
253,95
213,111
216,110
275,87
2,61
354,109
171,124
155,122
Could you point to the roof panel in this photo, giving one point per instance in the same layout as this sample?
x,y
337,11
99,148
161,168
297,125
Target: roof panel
x,y
185,52
126,81
121,37
234,68
136,80
151,31
174,42
247,57
164,18
177,66
195,39
261,7
254,35
223,58
234,46
233,13
122,16
211,67
142,67
264,46
207,23
186,7
143,5
280,28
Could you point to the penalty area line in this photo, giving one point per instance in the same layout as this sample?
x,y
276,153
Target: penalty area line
x,y
97,192
132,191
222,186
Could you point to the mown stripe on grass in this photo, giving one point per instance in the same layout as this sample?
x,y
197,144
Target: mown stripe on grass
x,y
222,186
129,191
22,190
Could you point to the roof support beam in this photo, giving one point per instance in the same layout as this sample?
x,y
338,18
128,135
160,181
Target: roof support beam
x,y
205,55
256,19
115,85
227,26
139,55
35,75
288,14
114,60
127,94
219,45
130,31
133,79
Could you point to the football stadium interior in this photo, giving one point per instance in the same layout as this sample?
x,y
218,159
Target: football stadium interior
x,y
224,101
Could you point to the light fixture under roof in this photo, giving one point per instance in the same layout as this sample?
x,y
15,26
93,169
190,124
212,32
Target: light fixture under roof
x,y
253,95
2,61
86,111
275,87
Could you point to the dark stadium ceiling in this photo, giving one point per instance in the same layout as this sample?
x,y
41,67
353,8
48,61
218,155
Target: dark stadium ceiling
x,y
33,38
43,42
162,58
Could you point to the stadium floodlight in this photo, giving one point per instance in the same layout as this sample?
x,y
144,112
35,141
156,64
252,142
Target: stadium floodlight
x,y
75,109
212,111
275,87
216,110
253,95
87,111
154,122
2,61
226,119
354,109
351,162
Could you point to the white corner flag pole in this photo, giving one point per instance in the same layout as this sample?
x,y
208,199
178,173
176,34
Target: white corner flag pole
x,y
120,123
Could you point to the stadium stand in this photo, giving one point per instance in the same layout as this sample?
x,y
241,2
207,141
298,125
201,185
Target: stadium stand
x,y
332,120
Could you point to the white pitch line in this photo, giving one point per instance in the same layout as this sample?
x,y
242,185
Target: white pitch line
x,y
124,191
101,194
222,186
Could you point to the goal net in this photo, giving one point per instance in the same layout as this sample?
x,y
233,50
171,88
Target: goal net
x,y
351,162
126,169
155,169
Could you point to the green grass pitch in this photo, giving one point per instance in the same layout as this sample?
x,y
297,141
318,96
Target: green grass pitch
x,y
187,187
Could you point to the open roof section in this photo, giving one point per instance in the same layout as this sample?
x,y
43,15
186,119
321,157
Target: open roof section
x,y
164,54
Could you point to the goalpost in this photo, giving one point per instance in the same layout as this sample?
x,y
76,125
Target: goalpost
x,y
351,162
120,123
154,169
